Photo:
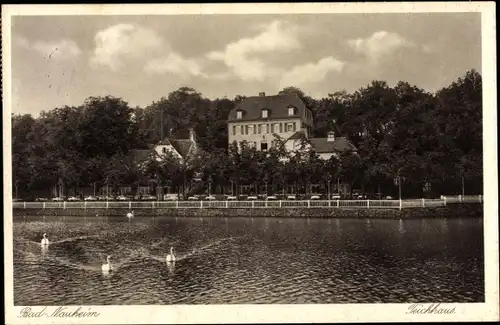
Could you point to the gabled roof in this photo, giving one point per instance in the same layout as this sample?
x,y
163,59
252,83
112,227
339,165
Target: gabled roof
x,y
277,105
322,145
182,146
297,135
340,144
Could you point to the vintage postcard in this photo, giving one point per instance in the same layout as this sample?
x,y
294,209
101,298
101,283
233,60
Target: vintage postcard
x,y
250,163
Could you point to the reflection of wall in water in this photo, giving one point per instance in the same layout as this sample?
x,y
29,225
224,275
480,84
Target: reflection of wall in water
x,y
444,225
401,227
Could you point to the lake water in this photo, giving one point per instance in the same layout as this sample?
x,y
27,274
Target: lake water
x,y
244,260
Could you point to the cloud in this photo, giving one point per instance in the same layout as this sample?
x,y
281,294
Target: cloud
x,y
242,56
379,44
63,49
311,72
174,63
118,44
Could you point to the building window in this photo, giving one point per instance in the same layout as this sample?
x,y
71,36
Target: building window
x,y
164,149
281,127
291,111
250,129
289,127
234,129
294,127
239,115
272,128
263,146
267,128
241,129
264,113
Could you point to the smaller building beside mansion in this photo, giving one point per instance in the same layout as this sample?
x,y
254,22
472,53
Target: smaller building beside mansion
x,y
183,149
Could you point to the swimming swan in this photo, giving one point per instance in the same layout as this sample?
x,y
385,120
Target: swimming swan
x,y
107,267
171,256
45,241
130,214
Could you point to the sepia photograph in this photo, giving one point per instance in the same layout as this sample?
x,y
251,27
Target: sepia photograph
x,y
250,163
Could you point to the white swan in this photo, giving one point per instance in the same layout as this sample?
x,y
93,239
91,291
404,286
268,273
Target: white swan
x,y
45,240
171,256
107,267
130,214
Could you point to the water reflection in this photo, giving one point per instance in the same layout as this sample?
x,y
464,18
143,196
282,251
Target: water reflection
x,y
424,224
444,226
368,224
44,251
401,227
170,267
237,260
266,224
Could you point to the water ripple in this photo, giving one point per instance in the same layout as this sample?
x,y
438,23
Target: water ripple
x,y
265,260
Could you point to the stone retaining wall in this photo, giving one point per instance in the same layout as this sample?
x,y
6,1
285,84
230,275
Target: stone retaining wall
x,y
459,210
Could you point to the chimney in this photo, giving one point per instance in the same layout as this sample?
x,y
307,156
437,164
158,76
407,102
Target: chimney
x,y
330,136
262,94
192,135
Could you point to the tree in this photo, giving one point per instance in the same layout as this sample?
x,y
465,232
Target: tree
x,y
400,132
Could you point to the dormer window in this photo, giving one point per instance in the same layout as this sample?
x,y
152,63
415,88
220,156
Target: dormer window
x,y
291,111
239,115
330,136
265,113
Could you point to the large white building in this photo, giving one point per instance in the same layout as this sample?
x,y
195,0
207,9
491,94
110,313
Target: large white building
x,y
259,119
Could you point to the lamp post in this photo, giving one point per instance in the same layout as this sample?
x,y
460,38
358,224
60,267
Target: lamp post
x,y
397,181
60,187
183,183
107,188
209,184
158,187
329,179
17,189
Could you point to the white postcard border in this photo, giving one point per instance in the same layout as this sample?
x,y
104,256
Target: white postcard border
x,y
274,313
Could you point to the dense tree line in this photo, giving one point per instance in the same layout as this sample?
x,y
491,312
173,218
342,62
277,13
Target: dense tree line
x,y
430,142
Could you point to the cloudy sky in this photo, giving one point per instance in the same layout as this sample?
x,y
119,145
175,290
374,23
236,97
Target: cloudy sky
x,y
61,60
